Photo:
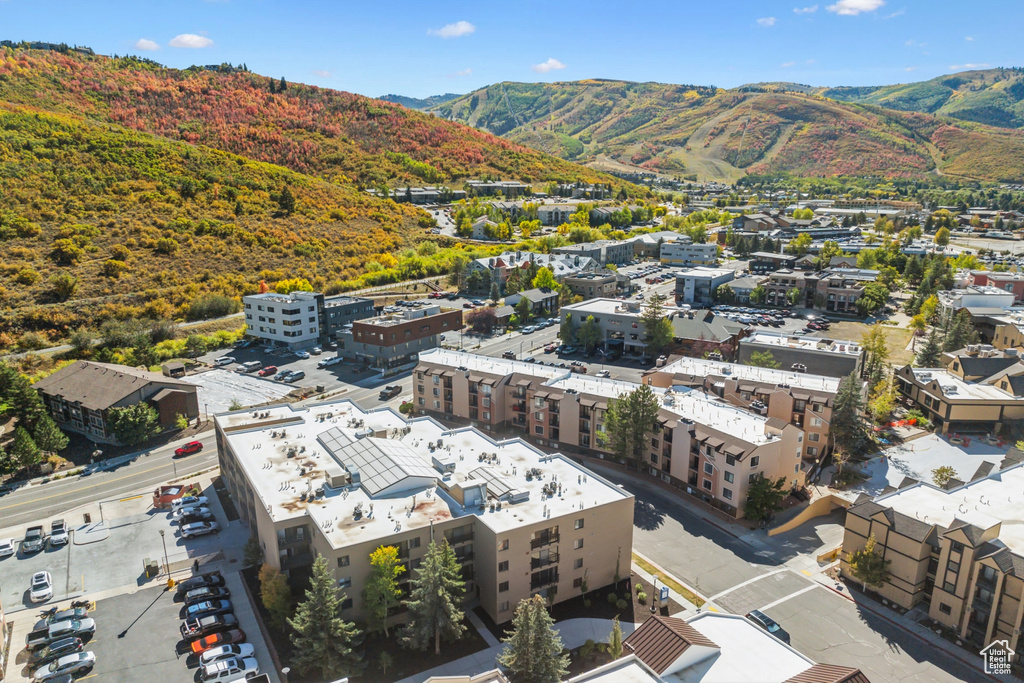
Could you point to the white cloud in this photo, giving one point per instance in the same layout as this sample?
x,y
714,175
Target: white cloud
x,y
805,10
855,7
809,62
786,65
766,21
910,68
897,13
145,44
190,40
914,43
321,73
464,72
459,28
551,65
969,39
961,67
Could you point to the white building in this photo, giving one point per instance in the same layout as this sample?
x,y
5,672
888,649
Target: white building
x,y
291,320
682,254
698,285
974,296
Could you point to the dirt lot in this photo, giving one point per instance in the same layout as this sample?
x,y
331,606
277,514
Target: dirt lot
x,y
897,337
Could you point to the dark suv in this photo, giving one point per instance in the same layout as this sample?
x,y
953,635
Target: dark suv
x,y
768,624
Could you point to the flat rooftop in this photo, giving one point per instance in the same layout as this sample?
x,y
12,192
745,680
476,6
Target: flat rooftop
x,y
287,452
801,380
955,388
996,499
488,365
704,272
804,343
747,654
615,306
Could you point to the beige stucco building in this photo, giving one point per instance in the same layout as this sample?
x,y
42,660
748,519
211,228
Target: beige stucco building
x,y
335,480
960,552
704,447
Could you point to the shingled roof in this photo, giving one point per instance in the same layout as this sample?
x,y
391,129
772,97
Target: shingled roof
x,y
829,673
98,386
661,640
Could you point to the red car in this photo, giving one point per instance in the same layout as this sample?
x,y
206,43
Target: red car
x,y
205,643
189,448
268,371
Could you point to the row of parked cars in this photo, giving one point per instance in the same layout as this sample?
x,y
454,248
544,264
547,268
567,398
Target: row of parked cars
x,y
56,644
35,540
193,516
210,630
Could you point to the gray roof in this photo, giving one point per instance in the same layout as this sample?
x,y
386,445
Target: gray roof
x,y
98,386
714,328
377,464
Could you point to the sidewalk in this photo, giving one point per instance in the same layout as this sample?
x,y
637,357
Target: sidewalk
x,y
574,632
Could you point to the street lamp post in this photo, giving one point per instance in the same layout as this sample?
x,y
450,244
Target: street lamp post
x,y
167,564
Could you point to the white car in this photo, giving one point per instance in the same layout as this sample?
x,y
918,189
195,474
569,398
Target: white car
x,y
41,588
232,669
223,360
216,654
58,533
602,373
69,664
188,501
190,510
302,354
199,529
7,547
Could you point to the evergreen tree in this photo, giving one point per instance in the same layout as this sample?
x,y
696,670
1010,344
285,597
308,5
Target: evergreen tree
x,y
930,354
323,640
283,85
135,424
382,590
533,652
847,426
959,331
48,436
764,497
435,602
628,420
615,639
913,272
286,201
657,328
23,450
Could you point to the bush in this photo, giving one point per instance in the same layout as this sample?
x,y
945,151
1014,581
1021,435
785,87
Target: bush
x,y
212,306
641,597
612,598
639,589
166,245
587,603
621,604
26,276
587,648
181,422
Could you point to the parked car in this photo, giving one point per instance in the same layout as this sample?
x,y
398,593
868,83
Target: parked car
x,y
390,391
223,360
63,615
188,510
217,639
34,540
210,579
251,366
188,501
768,624
40,587
509,355
316,350
58,533
73,664
550,348
197,516
267,371
199,529
7,547
55,650
205,593
220,652
233,669
302,354
207,608
190,448
295,377
207,625
56,631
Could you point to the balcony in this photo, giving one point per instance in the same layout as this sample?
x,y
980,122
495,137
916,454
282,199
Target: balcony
x,y
464,557
292,540
456,537
543,540
553,421
300,560
447,395
553,408
541,562
548,577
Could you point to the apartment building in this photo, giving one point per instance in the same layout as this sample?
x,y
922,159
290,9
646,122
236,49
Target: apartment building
x,y
762,262
603,251
802,399
389,343
506,188
599,285
341,310
499,268
335,480
837,290
555,214
958,552
816,355
648,245
970,396
301,319
683,254
697,286
781,282
743,286
1008,282
543,302
703,447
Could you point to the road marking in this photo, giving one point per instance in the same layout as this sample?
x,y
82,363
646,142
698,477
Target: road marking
x,y
747,583
804,571
791,595
131,498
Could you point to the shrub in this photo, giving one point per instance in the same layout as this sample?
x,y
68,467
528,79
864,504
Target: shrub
x,y
612,598
587,648
113,268
120,252
212,306
641,597
30,341
166,245
26,276
64,285
639,589
181,422
621,604
587,603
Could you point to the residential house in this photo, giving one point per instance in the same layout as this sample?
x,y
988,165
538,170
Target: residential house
x,y
499,268
81,396
543,302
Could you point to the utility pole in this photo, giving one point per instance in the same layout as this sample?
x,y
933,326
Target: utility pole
x,y
167,564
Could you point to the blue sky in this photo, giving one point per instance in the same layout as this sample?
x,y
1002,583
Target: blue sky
x,y
425,48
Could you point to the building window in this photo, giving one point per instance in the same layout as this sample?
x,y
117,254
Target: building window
x,y
422,402
577,582
755,460
949,587
729,477
945,609
538,430
345,583
346,603
578,524
730,460
503,587
727,494
707,484
815,421
814,437
503,566
414,543
503,545
577,544
578,563
343,561
504,607
709,468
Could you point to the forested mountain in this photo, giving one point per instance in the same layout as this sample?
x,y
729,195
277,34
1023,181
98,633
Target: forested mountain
x,y
417,103
712,133
129,190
